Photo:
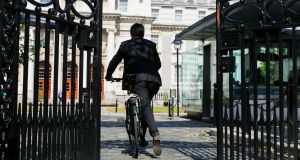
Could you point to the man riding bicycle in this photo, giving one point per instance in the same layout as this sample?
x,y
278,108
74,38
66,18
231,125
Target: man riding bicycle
x,y
141,59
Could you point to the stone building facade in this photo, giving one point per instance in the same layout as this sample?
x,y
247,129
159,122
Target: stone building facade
x,y
162,19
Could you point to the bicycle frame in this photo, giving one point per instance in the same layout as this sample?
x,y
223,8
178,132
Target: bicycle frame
x,y
133,117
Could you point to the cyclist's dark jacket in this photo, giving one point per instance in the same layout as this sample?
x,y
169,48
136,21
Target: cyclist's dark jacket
x,y
140,58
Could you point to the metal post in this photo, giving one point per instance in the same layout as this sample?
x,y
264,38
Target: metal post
x,y
116,105
97,82
177,82
218,87
169,105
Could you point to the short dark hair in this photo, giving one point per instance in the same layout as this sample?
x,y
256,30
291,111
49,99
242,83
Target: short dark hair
x,y
137,30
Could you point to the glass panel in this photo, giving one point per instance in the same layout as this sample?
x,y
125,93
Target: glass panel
x,y
192,79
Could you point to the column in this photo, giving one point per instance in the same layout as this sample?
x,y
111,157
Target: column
x,y
110,51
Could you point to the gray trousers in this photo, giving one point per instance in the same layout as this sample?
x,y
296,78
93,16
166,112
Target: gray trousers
x,y
146,90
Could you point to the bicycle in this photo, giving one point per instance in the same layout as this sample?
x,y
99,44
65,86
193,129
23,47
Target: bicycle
x,y
133,115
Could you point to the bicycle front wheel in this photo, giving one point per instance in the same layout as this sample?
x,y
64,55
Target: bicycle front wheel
x,y
135,128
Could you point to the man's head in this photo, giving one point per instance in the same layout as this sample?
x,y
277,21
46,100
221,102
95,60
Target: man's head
x,y
137,30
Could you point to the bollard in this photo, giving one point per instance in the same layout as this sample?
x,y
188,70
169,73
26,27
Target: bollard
x,y
116,105
169,105
173,105
171,108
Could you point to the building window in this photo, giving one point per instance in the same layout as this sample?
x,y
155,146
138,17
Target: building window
x,y
178,15
123,5
41,83
154,38
201,14
42,70
155,13
70,42
175,73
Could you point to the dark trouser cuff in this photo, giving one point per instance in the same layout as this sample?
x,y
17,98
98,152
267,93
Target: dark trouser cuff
x,y
154,133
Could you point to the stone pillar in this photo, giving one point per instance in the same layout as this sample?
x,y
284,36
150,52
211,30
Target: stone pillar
x,y
110,51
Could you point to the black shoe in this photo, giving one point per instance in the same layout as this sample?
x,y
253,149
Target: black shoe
x,y
143,143
156,145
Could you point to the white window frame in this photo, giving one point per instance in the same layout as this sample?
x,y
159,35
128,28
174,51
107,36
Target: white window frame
x,y
200,16
156,39
178,17
70,43
123,6
156,15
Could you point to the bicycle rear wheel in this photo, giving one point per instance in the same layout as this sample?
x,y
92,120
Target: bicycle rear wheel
x,y
134,136
127,122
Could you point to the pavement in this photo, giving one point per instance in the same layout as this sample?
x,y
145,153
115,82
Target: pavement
x,y
181,138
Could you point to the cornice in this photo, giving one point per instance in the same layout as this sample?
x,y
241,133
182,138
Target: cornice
x,y
142,19
111,16
168,27
183,4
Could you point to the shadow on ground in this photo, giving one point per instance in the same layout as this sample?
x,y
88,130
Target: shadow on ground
x,y
194,150
189,123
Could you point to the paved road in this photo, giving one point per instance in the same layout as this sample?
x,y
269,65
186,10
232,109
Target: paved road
x,y
182,139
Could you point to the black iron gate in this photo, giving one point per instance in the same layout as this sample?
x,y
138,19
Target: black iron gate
x,y
47,48
257,91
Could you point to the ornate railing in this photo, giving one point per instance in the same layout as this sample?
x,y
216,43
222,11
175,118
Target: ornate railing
x,y
41,127
264,34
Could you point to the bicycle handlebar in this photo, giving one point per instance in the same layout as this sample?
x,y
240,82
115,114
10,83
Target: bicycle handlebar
x,y
130,78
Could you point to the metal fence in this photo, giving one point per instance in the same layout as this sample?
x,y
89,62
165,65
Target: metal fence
x,y
257,89
47,48
67,132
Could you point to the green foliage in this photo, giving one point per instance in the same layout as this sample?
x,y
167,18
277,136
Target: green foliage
x,y
22,57
263,69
